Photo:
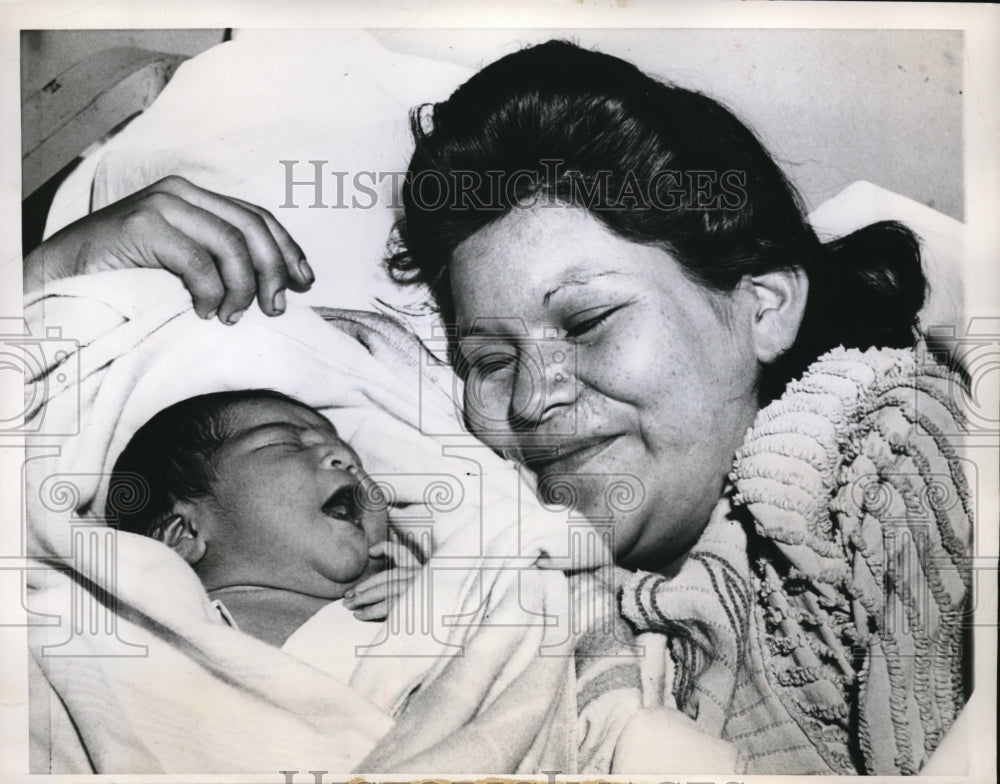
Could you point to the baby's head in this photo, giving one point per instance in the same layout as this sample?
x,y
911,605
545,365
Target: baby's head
x,y
253,488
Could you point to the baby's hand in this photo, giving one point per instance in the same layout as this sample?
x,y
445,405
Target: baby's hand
x,y
658,739
370,598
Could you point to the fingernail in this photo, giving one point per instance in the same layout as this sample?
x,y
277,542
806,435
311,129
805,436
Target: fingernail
x,y
306,271
349,594
211,315
235,317
278,301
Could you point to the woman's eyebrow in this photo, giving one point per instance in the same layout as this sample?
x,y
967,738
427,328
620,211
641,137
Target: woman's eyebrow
x,y
515,327
577,277
493,327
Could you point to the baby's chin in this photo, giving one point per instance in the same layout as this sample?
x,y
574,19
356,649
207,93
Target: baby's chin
x,y
334,585
336,589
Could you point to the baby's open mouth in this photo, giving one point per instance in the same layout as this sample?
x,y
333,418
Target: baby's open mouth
x,y
342,505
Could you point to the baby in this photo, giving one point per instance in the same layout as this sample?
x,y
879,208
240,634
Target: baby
x,y
272,510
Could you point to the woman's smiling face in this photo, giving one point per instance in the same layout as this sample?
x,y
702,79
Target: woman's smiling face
x,y
598,360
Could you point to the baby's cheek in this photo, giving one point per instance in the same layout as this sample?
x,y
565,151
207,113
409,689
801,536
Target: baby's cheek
x,y
372,567
348,562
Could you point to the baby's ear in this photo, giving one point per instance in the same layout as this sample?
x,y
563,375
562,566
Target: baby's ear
x,y
182,534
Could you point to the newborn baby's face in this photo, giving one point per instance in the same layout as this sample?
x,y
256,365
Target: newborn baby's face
x,y
294,507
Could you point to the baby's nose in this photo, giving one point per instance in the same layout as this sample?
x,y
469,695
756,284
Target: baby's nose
x,y
337,454
333,452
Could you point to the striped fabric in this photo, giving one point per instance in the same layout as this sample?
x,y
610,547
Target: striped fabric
x,y
818,624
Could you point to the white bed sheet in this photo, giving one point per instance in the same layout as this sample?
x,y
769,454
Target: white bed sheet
x,y
231,114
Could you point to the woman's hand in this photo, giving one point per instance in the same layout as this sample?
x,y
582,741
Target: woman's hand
x,y
370,598
225,250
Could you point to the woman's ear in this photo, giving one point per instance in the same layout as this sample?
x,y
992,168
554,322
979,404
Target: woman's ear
x,y
183,533
780,301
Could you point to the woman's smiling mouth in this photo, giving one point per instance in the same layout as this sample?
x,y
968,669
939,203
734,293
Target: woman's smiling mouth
x,y
566,456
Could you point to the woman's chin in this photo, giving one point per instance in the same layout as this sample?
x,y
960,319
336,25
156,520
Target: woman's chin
x,y
663,554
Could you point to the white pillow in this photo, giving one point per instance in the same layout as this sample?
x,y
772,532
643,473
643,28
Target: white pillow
x,y
231,114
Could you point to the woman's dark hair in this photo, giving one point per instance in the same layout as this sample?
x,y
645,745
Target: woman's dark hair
x,y
658,165
171,457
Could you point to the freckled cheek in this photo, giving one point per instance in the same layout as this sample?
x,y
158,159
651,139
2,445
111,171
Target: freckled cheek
x,y
630,368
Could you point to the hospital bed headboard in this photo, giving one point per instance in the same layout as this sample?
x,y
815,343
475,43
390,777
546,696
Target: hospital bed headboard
x,y
85,102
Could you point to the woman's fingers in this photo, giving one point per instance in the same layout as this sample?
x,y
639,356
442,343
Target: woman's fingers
x,y
226,250
223,241
300,274
175,251
248,244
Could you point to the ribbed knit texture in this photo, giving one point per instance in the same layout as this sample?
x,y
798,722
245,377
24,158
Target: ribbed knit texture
x,y
818,622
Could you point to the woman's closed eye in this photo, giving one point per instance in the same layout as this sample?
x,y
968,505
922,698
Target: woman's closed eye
x,y
587,321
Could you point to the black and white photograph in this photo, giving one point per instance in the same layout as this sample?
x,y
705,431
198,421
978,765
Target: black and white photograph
x,y
569,391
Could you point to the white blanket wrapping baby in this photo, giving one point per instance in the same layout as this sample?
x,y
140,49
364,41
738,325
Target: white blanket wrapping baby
x,y
132,670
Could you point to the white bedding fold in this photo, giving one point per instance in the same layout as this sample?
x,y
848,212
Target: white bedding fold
x,y
204,697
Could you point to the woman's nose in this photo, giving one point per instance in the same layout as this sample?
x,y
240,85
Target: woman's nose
x,y
518,388
542,386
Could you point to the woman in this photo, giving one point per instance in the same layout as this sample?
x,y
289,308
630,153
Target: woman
x,y
682,290
635,288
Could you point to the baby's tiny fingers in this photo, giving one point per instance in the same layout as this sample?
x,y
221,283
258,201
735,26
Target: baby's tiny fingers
x,y
384,585
372,583
374,612
399,554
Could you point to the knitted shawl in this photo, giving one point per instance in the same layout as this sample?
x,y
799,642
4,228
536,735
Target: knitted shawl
x,y
818,623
